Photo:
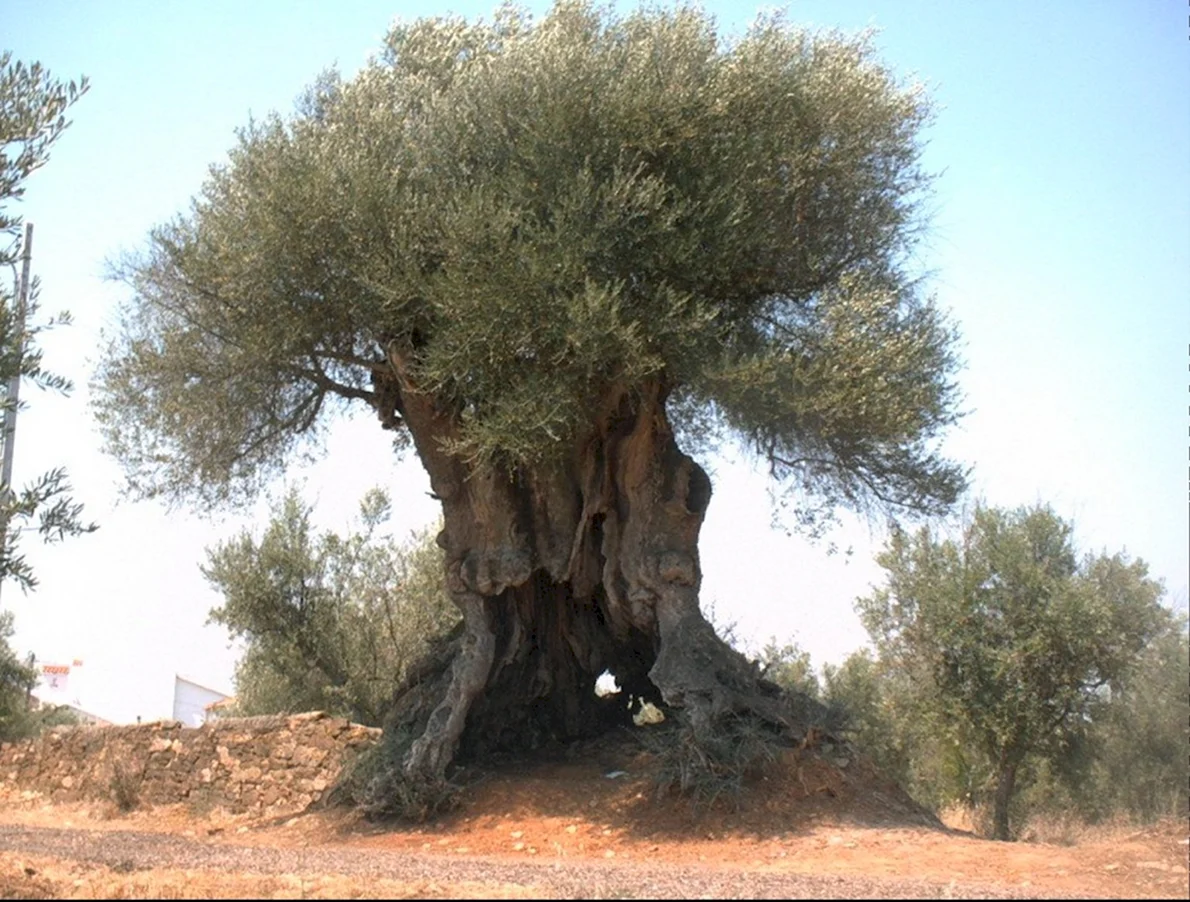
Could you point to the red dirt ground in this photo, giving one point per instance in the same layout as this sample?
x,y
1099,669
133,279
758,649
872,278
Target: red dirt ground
x,y
808,816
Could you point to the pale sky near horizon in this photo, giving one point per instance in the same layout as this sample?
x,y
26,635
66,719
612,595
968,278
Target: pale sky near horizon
x,y
1059,243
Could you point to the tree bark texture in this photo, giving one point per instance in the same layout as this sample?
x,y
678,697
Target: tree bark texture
x,y
1005,785
562,571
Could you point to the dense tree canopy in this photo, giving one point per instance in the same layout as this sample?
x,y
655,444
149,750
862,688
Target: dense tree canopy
x,y
534,217
1008,637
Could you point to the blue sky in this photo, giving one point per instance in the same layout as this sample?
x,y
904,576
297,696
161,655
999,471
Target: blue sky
x,y
1059,242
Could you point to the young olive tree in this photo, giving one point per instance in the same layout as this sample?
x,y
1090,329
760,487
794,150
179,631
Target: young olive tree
x,y
17,679
1140,740
32,117
330,622
547,255
789,666
1009,637
876,707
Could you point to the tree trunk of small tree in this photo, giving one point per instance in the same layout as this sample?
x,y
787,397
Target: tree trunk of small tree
x,y
1005,785
585,564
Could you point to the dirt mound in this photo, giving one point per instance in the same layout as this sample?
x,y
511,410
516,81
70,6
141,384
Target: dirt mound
x,y
614,780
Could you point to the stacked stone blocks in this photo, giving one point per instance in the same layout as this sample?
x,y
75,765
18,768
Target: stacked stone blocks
x,y
279,765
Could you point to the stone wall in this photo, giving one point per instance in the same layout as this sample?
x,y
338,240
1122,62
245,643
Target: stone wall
x,y
277,765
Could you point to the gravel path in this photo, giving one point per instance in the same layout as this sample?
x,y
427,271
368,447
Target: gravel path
x,y
129,850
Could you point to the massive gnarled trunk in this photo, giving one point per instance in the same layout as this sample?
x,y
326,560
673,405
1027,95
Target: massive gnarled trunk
x,y
560,572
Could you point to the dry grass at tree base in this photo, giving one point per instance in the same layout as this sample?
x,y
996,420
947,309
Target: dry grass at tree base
x,y
1061,829
810,814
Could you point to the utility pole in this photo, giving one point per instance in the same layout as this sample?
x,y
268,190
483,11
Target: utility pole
x,y
13,396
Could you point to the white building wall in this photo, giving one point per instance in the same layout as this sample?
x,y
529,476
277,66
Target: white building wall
x,y
191,700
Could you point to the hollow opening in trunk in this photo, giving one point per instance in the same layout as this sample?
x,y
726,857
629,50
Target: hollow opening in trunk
x,y
642,710
552,648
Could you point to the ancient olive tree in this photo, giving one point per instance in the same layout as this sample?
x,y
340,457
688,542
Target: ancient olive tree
x,y
545,253
1007,636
